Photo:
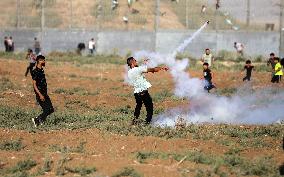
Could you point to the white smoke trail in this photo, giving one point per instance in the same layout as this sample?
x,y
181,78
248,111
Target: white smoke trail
x,y
261,107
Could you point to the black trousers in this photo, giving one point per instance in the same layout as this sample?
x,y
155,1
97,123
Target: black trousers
x,y
46,106
209,86
144,97
30,68
276,79
247,78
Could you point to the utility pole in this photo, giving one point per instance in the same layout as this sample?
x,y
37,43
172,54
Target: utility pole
x,y
281,52
71,14
18,14
248,13
157,15
186,14
42,21
42,16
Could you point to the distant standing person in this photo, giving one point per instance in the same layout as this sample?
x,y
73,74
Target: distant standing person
x,y
32,58
40,89
207,57
270,62
239,47
248,67
6,44
37,46
92,46
278,73
11,45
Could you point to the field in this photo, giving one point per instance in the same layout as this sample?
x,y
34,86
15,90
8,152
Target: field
x,y
89,134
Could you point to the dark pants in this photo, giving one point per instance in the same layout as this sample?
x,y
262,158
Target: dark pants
x,y
209,85
247,78
276,79
91,51
37,51
143,97
46,106
30,68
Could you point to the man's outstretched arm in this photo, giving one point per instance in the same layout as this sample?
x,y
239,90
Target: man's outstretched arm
x,y
157,69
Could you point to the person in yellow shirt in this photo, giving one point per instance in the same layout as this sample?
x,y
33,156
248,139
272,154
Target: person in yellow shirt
x,y
278,71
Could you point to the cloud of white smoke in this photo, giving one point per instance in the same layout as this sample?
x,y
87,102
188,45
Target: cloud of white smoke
x,y
244,107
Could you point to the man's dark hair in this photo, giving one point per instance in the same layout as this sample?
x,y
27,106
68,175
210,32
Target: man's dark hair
x,y
30,50
276,58
35,39
40,57
207,49
248,62
272,54
205,64
128,61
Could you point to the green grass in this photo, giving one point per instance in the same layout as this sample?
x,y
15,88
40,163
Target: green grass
x,y
65,149
261,166
127,171
71,57
82,171
75,91
118,122
12,145
20,169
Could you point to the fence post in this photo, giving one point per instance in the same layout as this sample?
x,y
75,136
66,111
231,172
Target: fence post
x,y
186,14
18,14
281,52
71,14
248,13
42,15
157,15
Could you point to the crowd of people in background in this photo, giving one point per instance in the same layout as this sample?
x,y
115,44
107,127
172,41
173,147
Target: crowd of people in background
x,y
208,59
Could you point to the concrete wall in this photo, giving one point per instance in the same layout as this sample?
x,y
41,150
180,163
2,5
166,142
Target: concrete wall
x,y
122,42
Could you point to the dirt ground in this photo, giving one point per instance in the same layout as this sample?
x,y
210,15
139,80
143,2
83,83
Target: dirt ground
x,y
106,151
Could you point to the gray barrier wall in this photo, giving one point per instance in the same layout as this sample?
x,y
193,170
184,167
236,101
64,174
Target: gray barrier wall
x,y
122,42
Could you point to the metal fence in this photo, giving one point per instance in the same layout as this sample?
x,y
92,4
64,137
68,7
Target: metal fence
x,y
149,15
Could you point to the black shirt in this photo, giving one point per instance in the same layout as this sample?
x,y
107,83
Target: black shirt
x,y
39,76
249,69
207,75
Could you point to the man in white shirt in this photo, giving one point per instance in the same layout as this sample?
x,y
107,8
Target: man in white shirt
x,y
141,86
92,46
207,57
239,47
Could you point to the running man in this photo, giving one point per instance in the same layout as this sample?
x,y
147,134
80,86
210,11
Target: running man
x,y
239,47
208,76
248,67
141,86
32,58
270,62
278,73
40,88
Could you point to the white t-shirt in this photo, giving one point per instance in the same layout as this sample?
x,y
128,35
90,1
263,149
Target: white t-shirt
x,y
32,58
91,44
239,47
207,58
137,79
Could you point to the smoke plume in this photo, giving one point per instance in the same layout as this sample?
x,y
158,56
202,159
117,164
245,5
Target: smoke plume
x,y
245,107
